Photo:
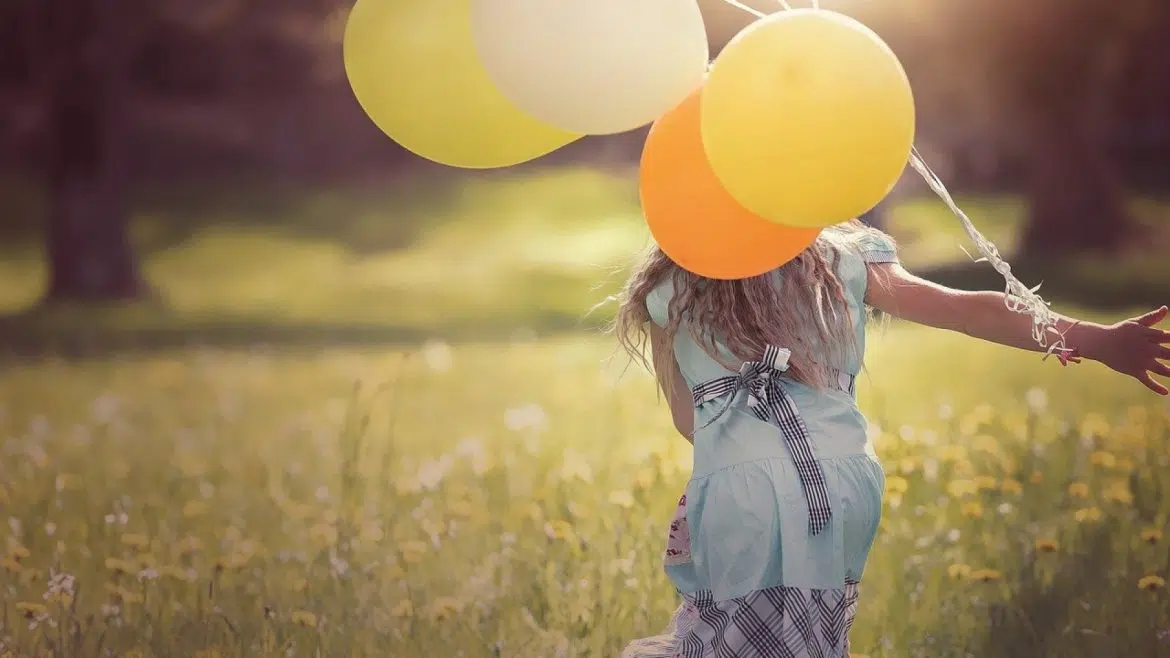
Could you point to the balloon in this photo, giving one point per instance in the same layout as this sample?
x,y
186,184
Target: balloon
x,y
694,220
808,118
414,70
593,66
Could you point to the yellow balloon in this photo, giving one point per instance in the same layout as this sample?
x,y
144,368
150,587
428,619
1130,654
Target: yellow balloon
x,y
808,118
415,71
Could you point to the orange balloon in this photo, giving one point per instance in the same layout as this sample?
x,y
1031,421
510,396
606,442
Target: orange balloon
x,y
693,218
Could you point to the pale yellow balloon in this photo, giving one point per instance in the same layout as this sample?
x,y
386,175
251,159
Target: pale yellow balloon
x,y
808,118
597,67
414,69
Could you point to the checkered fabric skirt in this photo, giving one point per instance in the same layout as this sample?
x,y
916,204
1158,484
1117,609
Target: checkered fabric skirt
x,y
778,622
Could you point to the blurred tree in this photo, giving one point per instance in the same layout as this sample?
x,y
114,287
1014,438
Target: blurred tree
x,y
1056,69
90,68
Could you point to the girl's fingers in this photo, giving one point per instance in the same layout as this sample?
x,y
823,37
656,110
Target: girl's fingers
x,y
1153,317
1154,386
1160,368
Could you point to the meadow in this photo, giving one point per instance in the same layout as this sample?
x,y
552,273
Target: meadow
x,y
455,492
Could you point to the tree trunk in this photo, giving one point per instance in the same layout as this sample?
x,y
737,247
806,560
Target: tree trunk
x,y
90,255
1076,202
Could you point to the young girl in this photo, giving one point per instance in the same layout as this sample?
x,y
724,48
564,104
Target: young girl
x,y
771,538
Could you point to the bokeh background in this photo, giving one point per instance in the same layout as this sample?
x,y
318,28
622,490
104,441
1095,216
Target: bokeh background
x,y
271,385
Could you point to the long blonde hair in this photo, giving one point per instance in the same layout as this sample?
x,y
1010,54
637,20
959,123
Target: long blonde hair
x,y
800,305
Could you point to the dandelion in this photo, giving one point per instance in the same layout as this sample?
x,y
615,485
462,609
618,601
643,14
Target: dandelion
x,y
1151,583
960,488
986,483
404,609
11,565
1087,515
1011,486
1151,535
1036,399
973,510
1046,545
985,575
1078,490
1036,477
959,571
896,484
304,618
1118,492
1103,459
31,610
18,552
622,499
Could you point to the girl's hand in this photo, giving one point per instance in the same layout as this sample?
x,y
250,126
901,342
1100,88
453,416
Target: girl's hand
x,y
1133,347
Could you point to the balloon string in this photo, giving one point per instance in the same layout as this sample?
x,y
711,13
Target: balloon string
x,y
1018,297
740,5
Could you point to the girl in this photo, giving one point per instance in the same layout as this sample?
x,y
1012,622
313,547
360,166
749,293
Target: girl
x,y
771,538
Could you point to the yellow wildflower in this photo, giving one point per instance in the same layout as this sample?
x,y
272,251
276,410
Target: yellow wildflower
x,y
299,584
304,618
622,499
960,488
187,546
136,541
176,573
985,443
120,566
1119,493
1125,465
414,551
213,652
973,510
31,610
11,565
985,575
959,571
462,509
1151,535
645,478
908,465
1088,514
1103,459
194,509
1078,490
1094,424
1011,486
122,594
1036,478
986,483
443,608
403,609
559,530
1151,583
323,533
18,552
1046,545
897,484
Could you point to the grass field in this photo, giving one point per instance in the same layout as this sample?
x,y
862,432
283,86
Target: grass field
x,y
484,497
512,498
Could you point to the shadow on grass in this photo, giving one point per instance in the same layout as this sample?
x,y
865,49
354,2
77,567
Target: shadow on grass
x,y
36,336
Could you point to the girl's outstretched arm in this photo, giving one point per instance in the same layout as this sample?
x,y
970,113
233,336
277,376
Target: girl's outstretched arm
x,y
1132,347
672,383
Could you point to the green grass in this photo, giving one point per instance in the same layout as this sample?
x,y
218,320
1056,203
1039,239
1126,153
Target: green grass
x,y
461,257
514,496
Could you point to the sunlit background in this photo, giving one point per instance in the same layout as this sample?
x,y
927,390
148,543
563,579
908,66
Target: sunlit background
x,y
271,385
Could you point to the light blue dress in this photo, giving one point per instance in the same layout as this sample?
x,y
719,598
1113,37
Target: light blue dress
x,y
752,555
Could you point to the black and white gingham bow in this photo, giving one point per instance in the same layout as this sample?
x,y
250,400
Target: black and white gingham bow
x,y
770,402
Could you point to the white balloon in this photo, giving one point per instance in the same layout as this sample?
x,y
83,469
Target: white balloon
x,y
595,67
